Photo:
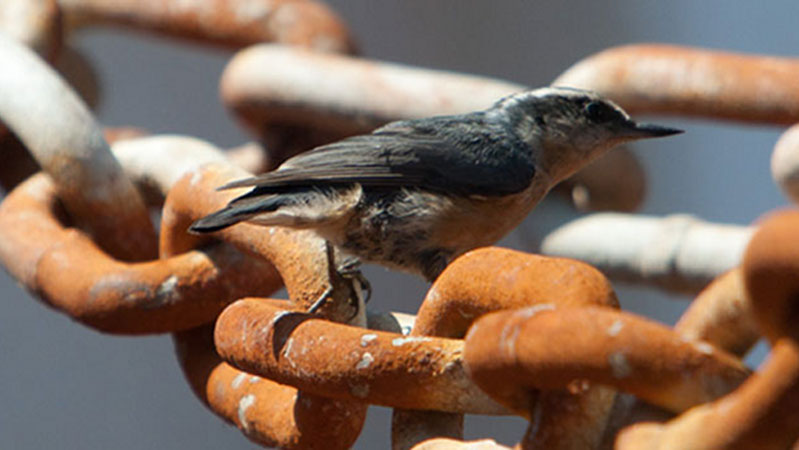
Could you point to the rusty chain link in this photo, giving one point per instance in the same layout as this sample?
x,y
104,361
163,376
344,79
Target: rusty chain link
x,y
500,332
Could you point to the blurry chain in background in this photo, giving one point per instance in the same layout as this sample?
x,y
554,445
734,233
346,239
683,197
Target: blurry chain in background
x,y
500,332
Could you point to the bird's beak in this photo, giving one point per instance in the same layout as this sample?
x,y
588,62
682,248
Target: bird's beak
x,y
648,130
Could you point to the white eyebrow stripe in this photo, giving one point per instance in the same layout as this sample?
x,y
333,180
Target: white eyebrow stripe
x,y
544,92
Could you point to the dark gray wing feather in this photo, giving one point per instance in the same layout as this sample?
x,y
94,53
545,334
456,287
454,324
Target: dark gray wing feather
x,y
461,155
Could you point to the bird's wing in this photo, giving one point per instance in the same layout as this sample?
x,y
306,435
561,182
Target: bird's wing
x,y
463,155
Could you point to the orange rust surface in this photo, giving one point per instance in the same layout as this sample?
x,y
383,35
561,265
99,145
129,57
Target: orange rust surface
x,y
268,413
722,316
231,23
509,353
686,81
30,223
569,419
492,278
67,269
345,362
764,412
771,266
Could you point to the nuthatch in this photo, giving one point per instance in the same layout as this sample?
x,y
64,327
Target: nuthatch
x,y
415,194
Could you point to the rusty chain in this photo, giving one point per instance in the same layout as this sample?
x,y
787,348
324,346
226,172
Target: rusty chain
x,y
500,332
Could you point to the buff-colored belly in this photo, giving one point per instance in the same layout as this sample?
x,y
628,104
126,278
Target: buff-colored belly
x,y
476,222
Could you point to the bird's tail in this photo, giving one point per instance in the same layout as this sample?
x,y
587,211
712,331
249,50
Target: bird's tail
x,y
219,220
238,210
297,207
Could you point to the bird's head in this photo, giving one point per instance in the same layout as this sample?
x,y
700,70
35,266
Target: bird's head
x,y
568,128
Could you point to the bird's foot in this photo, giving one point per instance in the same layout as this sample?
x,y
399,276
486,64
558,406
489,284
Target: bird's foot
x,y
347,268
350,269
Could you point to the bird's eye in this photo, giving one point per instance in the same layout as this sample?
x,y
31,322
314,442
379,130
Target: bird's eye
x,y
599,112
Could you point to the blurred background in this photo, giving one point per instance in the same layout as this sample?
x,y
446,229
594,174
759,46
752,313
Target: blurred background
x,y
65,386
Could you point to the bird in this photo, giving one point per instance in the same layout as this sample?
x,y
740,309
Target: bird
x,y
415,194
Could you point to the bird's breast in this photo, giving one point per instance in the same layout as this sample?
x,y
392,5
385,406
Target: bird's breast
x,y
478,221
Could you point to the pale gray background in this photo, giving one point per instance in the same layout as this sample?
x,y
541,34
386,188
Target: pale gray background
x,y
65,386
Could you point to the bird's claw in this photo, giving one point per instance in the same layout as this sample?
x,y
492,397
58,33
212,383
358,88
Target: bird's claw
x,y
348,268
